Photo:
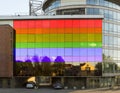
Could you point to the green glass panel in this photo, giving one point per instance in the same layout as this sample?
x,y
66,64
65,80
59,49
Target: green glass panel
x,y
60,45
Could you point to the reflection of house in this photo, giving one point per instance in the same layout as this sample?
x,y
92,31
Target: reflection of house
x,y
88,66
87,69
67,66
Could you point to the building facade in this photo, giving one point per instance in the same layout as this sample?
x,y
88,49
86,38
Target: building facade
x,y
110,29
56,48
7,42
77,43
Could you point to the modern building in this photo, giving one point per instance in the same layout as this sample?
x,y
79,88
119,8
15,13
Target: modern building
x,y
76,42
110,29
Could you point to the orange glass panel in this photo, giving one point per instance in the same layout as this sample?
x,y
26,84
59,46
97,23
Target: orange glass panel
x,y
98,30
57,30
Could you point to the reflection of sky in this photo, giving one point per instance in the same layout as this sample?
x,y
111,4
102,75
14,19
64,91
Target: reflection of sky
x,y
108,41
68,54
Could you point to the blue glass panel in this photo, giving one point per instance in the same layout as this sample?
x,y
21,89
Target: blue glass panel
x,y
83,52
61,51
53,52
46,51
76,51
91,51
68,51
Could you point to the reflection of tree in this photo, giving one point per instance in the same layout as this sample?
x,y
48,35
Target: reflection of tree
x,y
108,65
18,66
37,67
59,65
29,67
98,71
46,66
24,68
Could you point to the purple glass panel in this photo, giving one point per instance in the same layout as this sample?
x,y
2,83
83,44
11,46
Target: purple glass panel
x,y
68,59
91,59
59,59
98,59
20,58
46,59
83,59
76,59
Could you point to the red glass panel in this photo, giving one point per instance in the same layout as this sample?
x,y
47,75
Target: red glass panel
x,y
38,23
68,24
45,23
53,23
76,23
90,23
61,24
31,23
98,23
83,23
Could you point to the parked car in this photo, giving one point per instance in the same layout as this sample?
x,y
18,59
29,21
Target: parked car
x,y
31,85
57,85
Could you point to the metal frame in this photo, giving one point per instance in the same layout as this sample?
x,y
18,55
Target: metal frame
x,y
4,18
35,7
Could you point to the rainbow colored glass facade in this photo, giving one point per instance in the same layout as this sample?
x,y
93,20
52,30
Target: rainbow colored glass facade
x,y
75,40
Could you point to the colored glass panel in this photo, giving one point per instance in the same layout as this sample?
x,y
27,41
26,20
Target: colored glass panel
x,y
82,23
58,38
75,40
58,30
63,51
60,45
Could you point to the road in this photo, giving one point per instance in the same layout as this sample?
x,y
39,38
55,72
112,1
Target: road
x,y
45,90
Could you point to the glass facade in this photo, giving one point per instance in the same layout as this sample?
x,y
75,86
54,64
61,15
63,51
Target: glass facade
x,y
64,46
110,30
54,4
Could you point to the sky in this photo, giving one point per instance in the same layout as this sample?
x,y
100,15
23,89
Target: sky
x,y
14,7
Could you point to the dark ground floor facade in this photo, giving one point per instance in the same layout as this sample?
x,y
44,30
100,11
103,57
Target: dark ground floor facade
x,y
69,82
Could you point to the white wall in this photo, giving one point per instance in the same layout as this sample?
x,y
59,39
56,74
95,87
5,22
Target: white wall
x,y
72,2
6,22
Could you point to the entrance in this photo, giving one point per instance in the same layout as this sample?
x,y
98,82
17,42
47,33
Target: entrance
x,y
44,80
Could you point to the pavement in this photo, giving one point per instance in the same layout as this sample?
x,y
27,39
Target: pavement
x,y
47,90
